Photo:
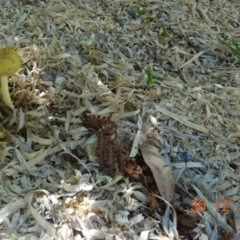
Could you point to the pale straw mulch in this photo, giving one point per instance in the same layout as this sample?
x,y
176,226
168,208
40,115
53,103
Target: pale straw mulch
x,y
91,56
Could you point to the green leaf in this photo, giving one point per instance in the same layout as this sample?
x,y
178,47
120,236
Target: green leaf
x,y
149,18
164,31
149,81
234,47
139,12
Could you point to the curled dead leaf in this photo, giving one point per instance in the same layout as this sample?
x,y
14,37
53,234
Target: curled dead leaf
x,y
160,170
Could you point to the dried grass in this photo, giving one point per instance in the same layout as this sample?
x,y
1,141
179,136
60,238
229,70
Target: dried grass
x,y
90,57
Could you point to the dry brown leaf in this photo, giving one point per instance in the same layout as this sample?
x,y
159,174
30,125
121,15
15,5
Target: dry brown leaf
x,y
160,170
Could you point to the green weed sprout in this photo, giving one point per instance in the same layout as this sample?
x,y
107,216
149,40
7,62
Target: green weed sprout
x,y
149,81
164,31
139,14
234,47
148,18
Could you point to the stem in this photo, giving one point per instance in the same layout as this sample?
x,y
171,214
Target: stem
x,y
5,92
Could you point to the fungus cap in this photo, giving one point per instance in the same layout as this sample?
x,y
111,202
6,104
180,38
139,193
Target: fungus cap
x,y
10,61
